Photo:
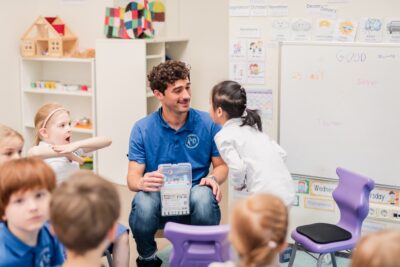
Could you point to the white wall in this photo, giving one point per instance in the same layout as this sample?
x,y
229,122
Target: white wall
x,y
206,52
85,20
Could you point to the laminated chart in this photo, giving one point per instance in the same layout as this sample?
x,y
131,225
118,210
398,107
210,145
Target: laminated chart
x,y
175,193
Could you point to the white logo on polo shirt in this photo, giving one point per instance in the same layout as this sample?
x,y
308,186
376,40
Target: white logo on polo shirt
x,y
192,141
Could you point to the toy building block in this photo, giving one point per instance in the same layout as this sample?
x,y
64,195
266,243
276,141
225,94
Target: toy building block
x,y
48,36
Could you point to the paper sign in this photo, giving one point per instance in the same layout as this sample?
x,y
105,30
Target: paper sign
x,y
255,72
323,29
280,29
322,189
238,72
302,186
370,30
277,10
392,30
345,30
258,10
248,32
238,49
239,10
319,203
255,49
384,196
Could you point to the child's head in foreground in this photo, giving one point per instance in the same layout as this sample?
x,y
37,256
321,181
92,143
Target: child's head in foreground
x,y
379,249
11,143
259,226
53,124
25,190
83,212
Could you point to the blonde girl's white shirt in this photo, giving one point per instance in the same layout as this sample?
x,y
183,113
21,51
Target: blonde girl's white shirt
x,y
62,166
254,161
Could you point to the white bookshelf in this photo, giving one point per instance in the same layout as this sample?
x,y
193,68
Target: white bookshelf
x,y
123,93
70,71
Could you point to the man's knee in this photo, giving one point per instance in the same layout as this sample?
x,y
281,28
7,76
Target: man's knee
x,y
202,195
145,206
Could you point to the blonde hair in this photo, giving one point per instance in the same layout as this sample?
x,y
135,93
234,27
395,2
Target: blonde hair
x,y
378,249
22,175
43,115
259,226
7,132
82,211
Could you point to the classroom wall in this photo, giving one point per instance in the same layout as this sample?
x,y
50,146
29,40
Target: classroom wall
x,y
325,209
206,53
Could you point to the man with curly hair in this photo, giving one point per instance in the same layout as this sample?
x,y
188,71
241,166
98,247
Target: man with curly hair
x,y
175,133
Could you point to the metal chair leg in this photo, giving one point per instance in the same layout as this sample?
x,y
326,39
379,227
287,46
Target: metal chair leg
x,y
293,255
109,258
333,258
320,260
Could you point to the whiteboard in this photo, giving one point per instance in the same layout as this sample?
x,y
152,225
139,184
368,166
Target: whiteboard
x,y
340,106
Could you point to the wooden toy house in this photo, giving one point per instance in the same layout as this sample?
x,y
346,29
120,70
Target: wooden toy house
x,y
48,36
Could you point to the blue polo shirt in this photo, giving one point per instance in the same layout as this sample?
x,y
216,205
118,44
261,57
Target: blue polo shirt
x,y
153,142
15,253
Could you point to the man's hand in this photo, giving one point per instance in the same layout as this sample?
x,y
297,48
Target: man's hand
x,y
151,182
214,186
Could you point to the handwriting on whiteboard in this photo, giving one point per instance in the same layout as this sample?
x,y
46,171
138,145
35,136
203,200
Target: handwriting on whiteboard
x,y
387,56
343,56
328,123
308,76
366,82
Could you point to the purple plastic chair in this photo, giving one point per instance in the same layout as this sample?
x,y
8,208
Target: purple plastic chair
x,y
352,197
196,245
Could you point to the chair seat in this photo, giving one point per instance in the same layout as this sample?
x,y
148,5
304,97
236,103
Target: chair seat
x,y
324,233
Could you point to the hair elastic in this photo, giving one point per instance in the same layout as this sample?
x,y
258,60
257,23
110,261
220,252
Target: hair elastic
x,y
51,114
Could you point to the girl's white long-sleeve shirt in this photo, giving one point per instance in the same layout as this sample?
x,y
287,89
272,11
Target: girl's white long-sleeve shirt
x,y
62,166
255,162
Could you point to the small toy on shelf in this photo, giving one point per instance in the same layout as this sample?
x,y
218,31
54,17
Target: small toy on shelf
x,y
87,163
83,122
48,36
85,53
56,85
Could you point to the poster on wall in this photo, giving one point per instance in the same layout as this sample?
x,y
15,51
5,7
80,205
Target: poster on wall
x,y
323,29
392,30
370,30
262,100
237,49
345,30
301,29
255,72
255,49
238,71
280,29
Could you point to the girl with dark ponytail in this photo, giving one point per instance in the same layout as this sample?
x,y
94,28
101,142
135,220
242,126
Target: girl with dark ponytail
x,y
255,161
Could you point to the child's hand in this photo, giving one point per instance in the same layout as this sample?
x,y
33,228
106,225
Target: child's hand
x,y
68,148
72,157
